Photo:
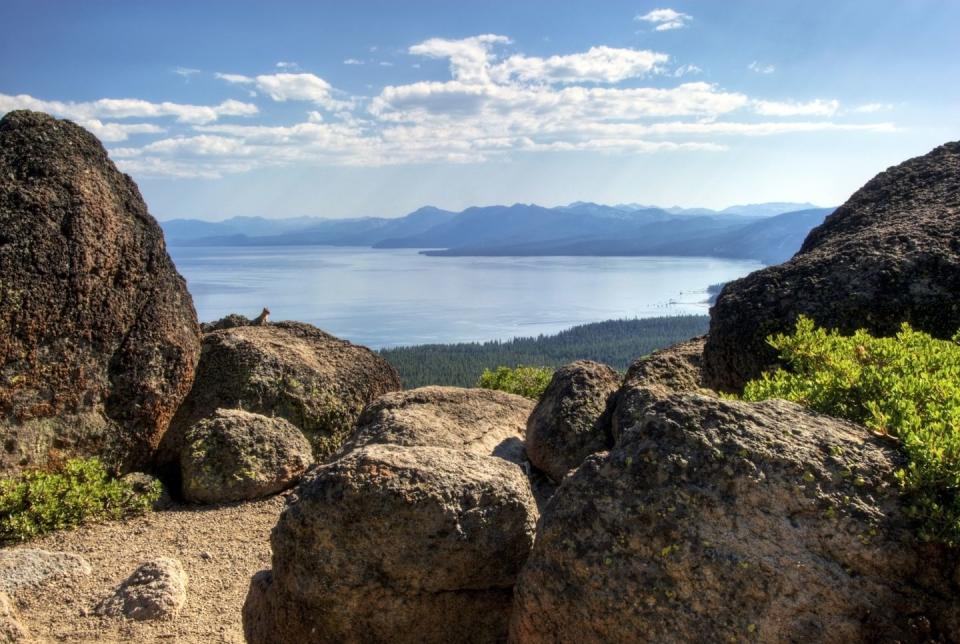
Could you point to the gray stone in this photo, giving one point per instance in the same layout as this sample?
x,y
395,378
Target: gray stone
x,y
30,568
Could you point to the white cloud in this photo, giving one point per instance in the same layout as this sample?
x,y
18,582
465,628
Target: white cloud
x,y
288,66
235,78
597,65
469,57
760,68
666,19
121,108
186,72
495,104
817,107
684,70
114,132
386,63
352,61
291,87
871,108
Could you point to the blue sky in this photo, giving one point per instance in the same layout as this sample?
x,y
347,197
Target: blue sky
x,y
376,108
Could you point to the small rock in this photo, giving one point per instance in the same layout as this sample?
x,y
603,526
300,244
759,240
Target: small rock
x,y
237,456
157,589
11,630
27,567
571,421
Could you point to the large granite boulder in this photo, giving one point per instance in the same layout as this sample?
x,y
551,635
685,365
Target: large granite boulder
x,y
98,335
238,456
288,370
715,520
572,419
480,421
891,254
396,543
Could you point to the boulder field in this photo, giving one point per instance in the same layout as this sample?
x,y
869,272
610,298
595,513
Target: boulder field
x,y
614,509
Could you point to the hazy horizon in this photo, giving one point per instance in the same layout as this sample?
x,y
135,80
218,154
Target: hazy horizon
x,y
217,218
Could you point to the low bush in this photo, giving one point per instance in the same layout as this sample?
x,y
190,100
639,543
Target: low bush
x,y
907,387
80,491
524,381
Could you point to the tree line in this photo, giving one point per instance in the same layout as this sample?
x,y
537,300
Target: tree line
x,y
614,342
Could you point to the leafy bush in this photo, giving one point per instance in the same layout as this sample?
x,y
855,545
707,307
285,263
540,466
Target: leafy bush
x,y
907,387
79,492
524,381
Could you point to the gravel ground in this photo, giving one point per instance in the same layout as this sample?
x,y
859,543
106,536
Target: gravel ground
x,y
220,548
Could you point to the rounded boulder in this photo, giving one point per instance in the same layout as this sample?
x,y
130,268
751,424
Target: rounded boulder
x,y
238,456
572,419
479,421
396,543
288,370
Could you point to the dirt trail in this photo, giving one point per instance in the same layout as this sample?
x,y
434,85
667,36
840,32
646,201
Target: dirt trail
x,y
220,547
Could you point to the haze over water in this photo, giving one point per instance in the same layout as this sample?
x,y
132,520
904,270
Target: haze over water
x,y
385,298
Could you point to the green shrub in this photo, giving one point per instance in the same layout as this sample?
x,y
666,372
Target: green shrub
x,y
907,387
524,381
80,492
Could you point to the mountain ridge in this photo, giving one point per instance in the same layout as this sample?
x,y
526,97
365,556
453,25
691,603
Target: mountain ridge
x,y
579,228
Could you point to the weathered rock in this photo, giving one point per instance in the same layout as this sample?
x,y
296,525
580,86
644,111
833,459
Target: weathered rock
x,y
98,335
288,370
11,630
157,589
891,254
227,322
30,568
143,483
236,456
396,543
572,419
716,520
479,421
672,370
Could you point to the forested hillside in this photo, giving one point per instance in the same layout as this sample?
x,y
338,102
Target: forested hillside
x,y
614,342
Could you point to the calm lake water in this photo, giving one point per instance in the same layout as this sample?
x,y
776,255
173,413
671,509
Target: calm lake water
x,y
385,298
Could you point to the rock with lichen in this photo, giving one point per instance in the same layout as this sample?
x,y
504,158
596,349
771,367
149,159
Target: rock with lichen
x,y
717,520
237,456
290,370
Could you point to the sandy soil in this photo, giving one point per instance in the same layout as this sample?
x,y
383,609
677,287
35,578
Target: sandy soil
x,y
220,547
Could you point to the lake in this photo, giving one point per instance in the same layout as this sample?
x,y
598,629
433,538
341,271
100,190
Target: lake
x,y
385,298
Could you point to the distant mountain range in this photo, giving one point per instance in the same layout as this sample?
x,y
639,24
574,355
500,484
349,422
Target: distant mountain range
x,y
770,232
